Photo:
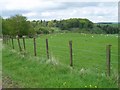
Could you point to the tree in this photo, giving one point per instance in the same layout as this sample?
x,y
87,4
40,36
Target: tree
x,y
0,26
17,25
51,24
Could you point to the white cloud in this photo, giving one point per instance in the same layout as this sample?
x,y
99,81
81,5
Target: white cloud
x,y
31,14
46,14
57,9
28,4
96,14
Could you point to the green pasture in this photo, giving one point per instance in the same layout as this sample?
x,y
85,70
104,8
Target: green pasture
x,y
89,61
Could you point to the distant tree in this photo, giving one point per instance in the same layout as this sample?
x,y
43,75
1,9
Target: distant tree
x,y
109,29
17,25
51,24
0,26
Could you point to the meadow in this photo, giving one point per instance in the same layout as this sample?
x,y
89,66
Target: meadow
x,y
0,63
89,61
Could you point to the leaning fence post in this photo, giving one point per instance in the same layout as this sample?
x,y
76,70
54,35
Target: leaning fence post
x,y
34,46
71,57
47,49
19,44
24,43
108,58
12,43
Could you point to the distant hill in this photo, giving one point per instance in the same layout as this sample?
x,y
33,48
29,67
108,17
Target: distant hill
x,y
113,24
107,22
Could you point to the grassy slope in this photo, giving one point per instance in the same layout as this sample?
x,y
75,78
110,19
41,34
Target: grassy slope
x,y
32,71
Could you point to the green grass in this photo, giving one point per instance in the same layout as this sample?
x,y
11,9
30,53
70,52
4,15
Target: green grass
x,y
89,62
0,63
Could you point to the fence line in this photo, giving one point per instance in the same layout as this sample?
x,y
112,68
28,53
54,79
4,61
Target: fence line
x,y
90,44
84,51
81,50
71,51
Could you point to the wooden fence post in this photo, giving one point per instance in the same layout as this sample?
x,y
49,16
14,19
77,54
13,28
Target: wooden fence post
x,y
34,46
47,49
19,44
108,58
7,40
71,57
24,43
4,39
12,43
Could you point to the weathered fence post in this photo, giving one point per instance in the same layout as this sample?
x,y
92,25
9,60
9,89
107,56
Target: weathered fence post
x,y
34,46
12,43
4,39
19,44
108,58
47,49
7,40
24,43
71,57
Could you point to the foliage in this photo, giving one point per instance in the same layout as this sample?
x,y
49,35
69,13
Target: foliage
x,y
108,29
19,25
16,25
74,23
0,26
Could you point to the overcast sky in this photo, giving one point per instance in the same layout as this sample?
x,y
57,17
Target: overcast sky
x,y
102,11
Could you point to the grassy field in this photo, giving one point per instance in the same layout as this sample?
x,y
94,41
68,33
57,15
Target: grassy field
x,y
0,64
89,62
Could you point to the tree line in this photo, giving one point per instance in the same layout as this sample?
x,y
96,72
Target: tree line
x,y
19,25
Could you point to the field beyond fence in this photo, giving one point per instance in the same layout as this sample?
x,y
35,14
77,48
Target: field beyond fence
x,y
94,52
86,54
